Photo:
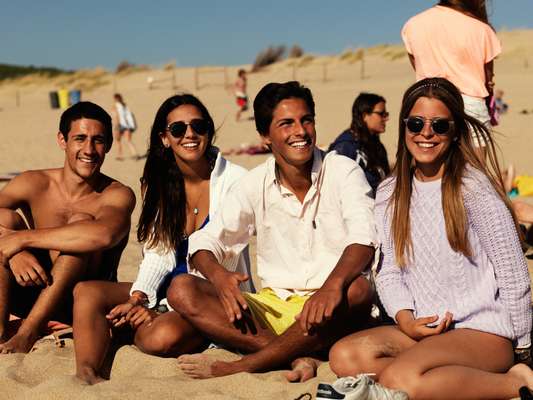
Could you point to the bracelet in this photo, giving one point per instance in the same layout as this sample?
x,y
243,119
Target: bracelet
x,y
141,299
522,356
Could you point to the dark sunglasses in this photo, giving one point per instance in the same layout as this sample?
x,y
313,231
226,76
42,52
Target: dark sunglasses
x,y
439,126
178,128
382,114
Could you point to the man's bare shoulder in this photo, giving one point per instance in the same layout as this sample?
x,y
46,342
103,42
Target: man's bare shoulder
x,y
117,193
35,180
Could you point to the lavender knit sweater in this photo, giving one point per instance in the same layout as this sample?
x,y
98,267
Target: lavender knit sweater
x,y
489,292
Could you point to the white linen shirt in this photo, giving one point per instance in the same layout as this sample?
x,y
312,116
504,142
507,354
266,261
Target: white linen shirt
x,y
298,244
158,263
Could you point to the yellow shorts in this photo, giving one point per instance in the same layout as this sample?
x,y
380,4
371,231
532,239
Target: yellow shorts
x,y
272,312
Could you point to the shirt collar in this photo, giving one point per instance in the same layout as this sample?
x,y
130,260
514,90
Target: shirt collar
x,y
318,156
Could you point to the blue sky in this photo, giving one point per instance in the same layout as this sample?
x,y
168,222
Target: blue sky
x,y
75,34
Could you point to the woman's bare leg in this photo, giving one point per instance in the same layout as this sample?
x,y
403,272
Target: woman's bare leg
x,y
459,364
92,334
118,144
133,150
168,335
368,351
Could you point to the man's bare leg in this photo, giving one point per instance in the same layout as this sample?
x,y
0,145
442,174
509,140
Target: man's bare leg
x,y
168,335
66,271
10,219
92,333
196,300
287,347
6,278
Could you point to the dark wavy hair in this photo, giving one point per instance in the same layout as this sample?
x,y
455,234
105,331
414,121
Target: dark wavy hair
x,y
474,8
163,214
462,152
370,143
274,93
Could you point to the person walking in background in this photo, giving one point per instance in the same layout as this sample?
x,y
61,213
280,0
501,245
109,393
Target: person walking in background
x,y
454,40
452,272
360,141
124,127
240,93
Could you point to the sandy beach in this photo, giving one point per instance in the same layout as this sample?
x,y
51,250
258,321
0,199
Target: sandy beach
x,y
28,129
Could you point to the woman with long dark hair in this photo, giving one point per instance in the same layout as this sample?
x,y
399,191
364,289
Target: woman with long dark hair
x,y
452,273
454,40
184,182
360,141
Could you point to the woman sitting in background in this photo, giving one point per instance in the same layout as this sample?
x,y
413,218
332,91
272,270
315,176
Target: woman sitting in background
x,y
360,141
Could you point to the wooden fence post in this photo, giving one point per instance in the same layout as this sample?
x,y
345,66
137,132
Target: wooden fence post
x,y
362,64
196,83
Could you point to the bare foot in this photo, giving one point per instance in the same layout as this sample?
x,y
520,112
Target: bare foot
x,y
202,366
303,369
524,374
88,375
20,343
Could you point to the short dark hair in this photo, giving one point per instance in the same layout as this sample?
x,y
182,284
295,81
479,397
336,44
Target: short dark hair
x,y
271,95
86,109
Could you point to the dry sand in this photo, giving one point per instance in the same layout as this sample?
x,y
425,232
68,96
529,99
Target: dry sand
x,y
28,132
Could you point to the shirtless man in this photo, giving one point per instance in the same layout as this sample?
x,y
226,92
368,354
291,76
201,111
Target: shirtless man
x,y
76,224
313,216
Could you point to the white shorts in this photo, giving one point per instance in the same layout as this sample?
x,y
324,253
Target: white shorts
x,y
477,108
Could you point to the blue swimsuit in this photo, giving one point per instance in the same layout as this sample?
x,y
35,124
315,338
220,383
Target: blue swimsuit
x,y
181,264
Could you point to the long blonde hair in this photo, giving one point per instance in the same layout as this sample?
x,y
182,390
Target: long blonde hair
x,y
462,152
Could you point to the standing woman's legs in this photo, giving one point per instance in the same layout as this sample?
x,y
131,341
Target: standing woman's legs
x,y
118,144
127,136
92,332
459,364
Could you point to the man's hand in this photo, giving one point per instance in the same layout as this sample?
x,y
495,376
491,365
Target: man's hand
x,y
227,286
319,308
27,270
117,316
140,314
10,244
418,328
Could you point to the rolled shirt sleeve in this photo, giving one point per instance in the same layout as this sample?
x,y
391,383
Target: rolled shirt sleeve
x,y
155,266
229,232
357,207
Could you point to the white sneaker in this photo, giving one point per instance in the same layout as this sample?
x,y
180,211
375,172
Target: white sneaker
x,y
361,387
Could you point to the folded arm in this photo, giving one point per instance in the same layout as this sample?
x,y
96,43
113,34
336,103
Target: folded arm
x,y
99,232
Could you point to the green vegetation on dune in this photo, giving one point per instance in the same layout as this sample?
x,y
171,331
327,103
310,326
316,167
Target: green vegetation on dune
x,y
16,71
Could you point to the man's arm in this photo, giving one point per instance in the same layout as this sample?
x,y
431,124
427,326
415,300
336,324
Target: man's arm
x,y
225,282
355,258
225,236
105,230
17,192
356,206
